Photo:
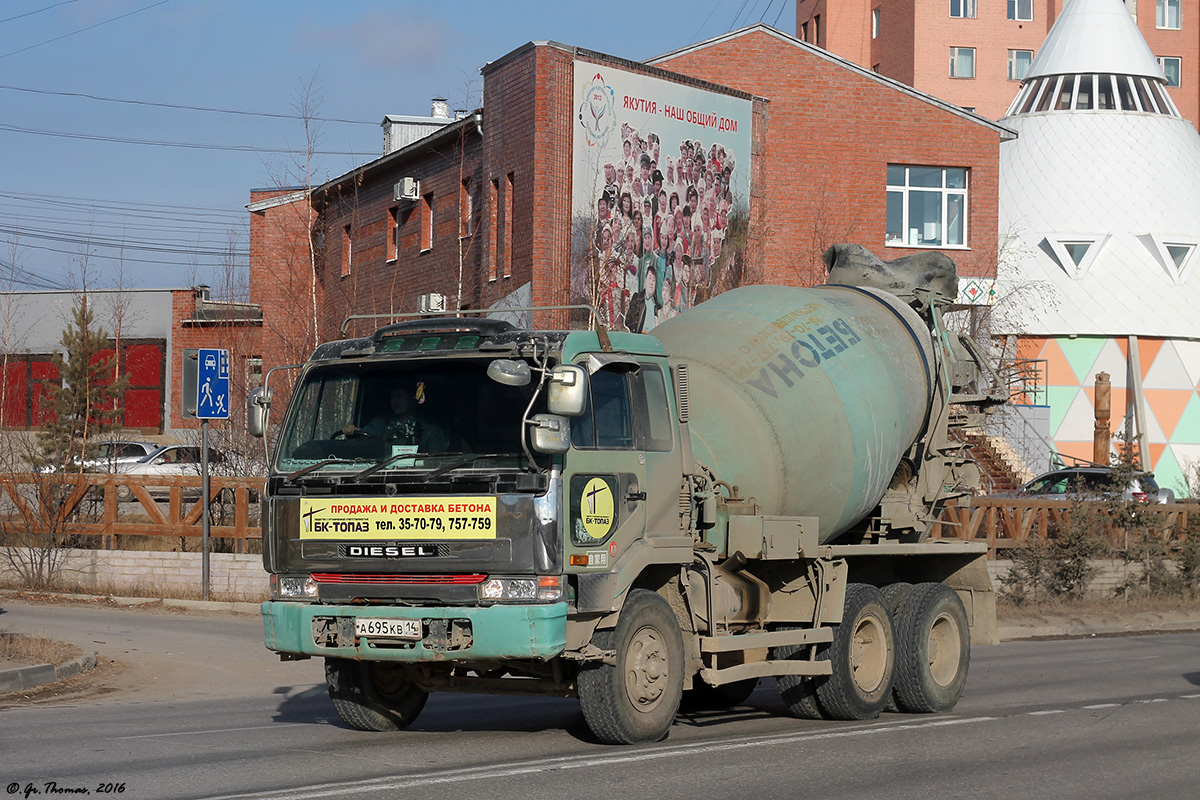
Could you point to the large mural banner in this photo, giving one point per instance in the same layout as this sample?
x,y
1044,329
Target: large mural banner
x,y
660,195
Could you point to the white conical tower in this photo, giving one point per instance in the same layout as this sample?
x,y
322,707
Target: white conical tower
x,y
1100,191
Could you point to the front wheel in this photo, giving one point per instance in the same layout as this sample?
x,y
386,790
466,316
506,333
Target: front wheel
x,y
635,699
373,695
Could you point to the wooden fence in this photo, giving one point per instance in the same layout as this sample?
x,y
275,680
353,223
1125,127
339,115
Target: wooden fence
x,y
104,506
1008,522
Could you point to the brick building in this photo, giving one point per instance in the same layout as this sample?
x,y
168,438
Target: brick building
x,y
637,188
974,53
149,329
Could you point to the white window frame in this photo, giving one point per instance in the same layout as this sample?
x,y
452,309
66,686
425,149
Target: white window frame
x,y
874,23
1162,15
966,9
912,237
955,62
1015,10
1012,62
1162,63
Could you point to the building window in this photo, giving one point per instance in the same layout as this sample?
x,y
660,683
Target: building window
x,y
963,8
875,23
1172,67
466,207
493,213
1021,10
347,251
962,62
926,206
508,226
393,229
1167,15
804,31
1018,64
817,30
426,222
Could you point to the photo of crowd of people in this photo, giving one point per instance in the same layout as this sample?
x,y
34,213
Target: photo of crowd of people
x,y
661,222
661,219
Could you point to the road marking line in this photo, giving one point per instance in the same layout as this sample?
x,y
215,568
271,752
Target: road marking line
x,y
1103,705
1047,712
215,730
490,772
1189,696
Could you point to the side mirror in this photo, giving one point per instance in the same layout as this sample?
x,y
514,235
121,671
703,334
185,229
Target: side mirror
x,y
509,372
551,433
258,404
568,390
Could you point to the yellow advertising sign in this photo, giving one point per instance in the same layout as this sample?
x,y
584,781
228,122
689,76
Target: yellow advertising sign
x,y
398,518
596,508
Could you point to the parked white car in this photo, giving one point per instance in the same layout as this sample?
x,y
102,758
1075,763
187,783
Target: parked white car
x,y
172,459
110,455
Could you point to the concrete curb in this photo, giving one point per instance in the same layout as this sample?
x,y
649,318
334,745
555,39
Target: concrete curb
x,y
1075,627
21,678
233,606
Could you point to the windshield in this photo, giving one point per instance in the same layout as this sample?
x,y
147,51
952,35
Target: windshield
x,y
418,415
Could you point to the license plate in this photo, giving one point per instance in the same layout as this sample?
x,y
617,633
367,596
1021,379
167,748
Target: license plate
x,y
388,628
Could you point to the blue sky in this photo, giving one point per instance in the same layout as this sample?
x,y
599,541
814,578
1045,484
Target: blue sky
x,y
67,204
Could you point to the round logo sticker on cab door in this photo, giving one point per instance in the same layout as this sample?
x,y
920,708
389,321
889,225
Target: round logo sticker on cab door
x,y
596,508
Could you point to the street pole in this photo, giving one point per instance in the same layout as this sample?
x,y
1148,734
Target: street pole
x,y
204,515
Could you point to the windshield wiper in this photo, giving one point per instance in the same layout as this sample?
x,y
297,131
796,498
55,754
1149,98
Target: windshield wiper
x,y
305,470
462,462
387,462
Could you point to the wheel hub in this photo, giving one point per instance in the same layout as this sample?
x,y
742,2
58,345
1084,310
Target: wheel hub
x,y
646,669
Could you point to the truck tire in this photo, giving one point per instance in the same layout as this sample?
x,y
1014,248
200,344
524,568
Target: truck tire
x,y
798,692
893,596
933,643
636,698
371,695
863,656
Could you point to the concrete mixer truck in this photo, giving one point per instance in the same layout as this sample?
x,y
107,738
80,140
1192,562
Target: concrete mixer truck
x,y
636,520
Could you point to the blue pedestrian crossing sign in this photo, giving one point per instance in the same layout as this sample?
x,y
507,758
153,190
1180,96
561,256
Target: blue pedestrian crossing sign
x,y
212,383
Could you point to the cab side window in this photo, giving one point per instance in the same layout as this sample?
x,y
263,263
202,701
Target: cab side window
x,y
626,411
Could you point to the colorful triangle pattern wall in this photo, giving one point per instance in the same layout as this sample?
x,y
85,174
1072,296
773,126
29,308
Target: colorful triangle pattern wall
x,y
1170,372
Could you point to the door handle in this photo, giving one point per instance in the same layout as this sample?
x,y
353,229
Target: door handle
x,y
635,496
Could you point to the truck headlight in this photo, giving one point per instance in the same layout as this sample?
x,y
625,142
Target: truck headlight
x,y
299,586
546,588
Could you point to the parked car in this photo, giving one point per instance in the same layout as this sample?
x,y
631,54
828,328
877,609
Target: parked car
x,y
171,460
109,455
1091,482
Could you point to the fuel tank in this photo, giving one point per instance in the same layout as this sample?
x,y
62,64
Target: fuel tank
x,y
805,398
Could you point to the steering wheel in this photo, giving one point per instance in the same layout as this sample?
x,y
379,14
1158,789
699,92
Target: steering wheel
x,y
352,432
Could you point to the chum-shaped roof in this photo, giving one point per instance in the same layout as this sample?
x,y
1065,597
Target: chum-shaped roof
x,y
1094,36
1100,224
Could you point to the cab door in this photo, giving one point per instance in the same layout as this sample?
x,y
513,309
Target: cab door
x,y
603,473
622,475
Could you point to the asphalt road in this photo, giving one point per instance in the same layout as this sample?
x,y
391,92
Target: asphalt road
x,y
201,711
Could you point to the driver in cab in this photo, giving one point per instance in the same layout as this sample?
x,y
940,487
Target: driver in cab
x,y
403,424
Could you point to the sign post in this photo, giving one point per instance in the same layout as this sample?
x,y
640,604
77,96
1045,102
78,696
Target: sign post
x,y
210,400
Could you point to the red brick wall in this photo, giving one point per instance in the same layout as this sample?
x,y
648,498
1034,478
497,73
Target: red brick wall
x,y
241,340
831,132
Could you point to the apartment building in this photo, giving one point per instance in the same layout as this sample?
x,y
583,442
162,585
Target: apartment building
x,y
974,53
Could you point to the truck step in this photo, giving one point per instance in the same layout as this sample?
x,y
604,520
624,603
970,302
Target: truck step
x,y
753,641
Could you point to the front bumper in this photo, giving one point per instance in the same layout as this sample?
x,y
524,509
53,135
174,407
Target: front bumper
x,y
500,631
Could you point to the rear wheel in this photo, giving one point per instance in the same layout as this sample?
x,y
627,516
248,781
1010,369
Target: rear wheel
x,y
635,699
373,695
933,649
798,692
893,595
863,656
